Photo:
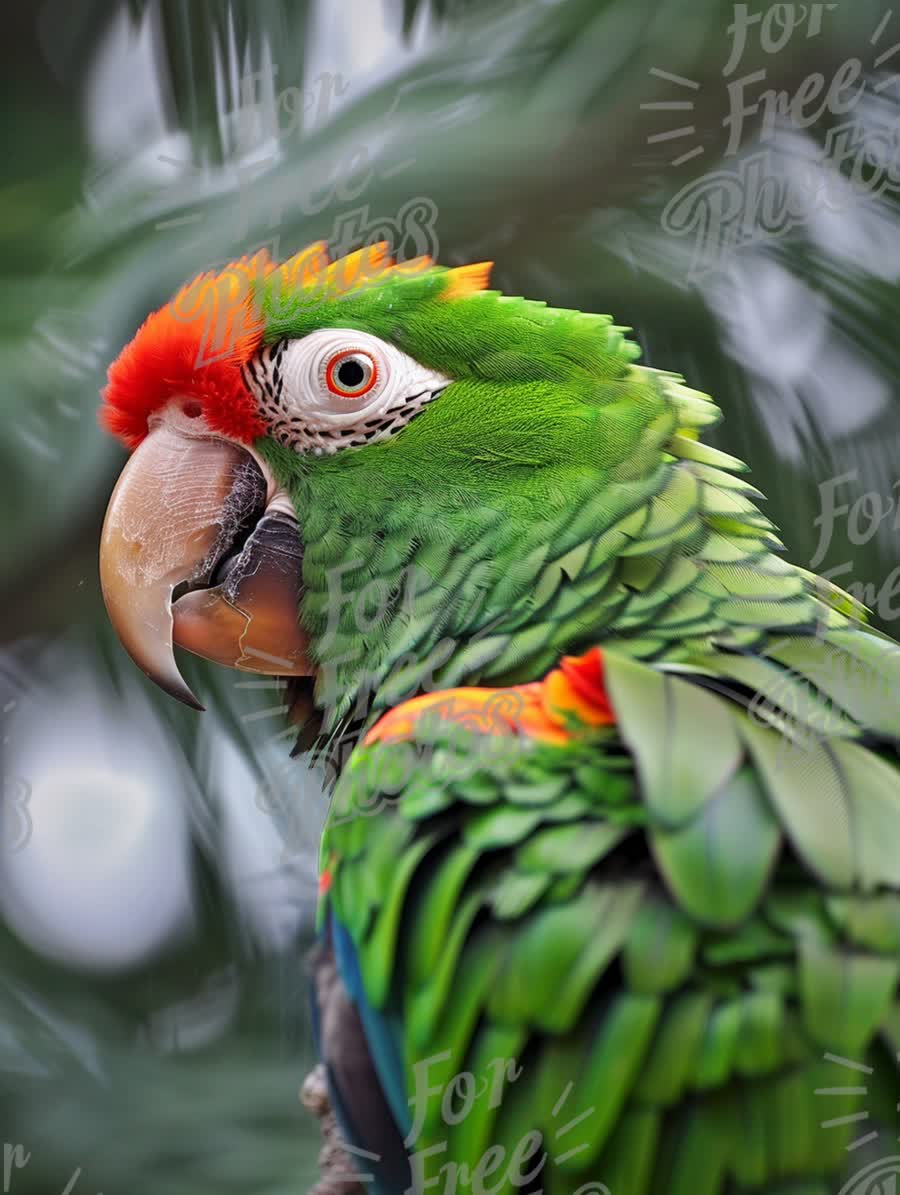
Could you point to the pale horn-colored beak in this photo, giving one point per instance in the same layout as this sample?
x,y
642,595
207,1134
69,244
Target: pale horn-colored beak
x,y
197,551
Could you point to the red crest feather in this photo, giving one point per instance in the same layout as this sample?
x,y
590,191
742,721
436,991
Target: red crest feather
x,y
193,347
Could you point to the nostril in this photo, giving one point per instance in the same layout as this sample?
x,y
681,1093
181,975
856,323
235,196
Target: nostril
x,y
192,409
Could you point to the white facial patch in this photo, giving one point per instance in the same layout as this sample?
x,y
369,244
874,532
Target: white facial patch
x,y
338,388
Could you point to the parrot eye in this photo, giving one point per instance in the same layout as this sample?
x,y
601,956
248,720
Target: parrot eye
x,y
351,374
338,388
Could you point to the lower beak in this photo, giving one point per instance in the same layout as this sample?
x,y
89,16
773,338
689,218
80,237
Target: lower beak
x,y
191,554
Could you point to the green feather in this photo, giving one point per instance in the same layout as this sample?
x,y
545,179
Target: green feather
x,y
656,714
718,864
675,1049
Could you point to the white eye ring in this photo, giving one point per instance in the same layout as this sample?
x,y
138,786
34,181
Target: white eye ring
x,y
338,388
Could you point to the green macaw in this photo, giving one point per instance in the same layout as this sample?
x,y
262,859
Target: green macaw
x,y
610,879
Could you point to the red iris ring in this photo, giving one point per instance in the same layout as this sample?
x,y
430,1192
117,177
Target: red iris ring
x,y
335,363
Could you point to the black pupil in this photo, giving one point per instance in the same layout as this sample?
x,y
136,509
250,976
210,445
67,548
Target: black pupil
x,y
351,374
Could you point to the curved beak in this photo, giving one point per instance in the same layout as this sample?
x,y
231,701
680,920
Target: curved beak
x,y
196,551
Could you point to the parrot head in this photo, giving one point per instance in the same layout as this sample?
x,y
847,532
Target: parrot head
x,y
353,471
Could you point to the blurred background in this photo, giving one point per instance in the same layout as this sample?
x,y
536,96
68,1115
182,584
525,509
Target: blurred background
x,y
725,183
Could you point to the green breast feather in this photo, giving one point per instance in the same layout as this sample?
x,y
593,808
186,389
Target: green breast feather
x,y
654,932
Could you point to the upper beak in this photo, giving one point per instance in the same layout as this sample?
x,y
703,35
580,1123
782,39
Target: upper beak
x,y
197,550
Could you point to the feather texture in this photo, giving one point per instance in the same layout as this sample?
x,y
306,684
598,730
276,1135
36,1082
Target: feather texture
x,y
670,919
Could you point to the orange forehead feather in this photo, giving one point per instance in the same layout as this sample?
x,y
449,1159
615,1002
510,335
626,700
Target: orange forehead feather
x,y
311,270
467,280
